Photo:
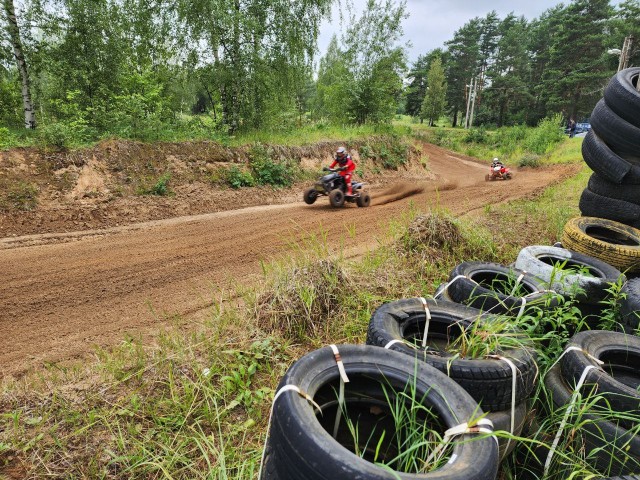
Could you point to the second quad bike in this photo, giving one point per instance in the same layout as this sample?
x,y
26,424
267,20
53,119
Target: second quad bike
x,y
498,173
334,186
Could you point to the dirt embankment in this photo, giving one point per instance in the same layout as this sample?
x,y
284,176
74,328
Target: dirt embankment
x,y
93,268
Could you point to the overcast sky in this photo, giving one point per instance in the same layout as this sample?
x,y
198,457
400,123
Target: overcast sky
x,y
433,22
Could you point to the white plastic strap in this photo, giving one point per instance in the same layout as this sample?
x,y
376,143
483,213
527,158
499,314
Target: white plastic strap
x,y
518,280
524,304
343,379
427,314
574,397
286,388
484,425
393,342
448,284
514,385
343,373
572,349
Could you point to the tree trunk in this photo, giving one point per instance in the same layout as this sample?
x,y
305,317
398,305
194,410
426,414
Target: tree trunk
x,y
14,35
455,118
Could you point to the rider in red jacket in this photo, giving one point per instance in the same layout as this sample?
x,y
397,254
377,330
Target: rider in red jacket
x,y
346,166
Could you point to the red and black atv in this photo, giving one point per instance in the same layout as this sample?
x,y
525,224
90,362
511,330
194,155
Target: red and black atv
x,y
334,186
498,172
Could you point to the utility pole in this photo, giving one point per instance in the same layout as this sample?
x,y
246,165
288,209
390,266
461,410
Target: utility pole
x,y
471,101
625,55
466,117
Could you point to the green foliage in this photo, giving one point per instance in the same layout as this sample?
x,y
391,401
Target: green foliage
x,y
7,139
237,178
434,102
391,151
159,188
529,160
545,136
19,196
476,135
360,81
267,171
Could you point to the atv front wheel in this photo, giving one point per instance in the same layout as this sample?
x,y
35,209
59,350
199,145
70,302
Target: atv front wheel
x,y
310,196
364,200
336,198
487,177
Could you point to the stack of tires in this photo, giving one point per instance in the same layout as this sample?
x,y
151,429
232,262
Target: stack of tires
x,y
609,402
612,151
341,411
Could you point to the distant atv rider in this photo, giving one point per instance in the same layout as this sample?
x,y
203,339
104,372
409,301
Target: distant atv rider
x,y
346,166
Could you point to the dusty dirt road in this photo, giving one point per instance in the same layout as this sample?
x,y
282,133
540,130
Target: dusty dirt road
x,y
63,294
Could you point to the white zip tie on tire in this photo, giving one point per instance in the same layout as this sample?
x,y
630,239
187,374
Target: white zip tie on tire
x,y
484,425
343,379
286,388
518,280
514,385
394,341
572,402
448,284
573,349
427,314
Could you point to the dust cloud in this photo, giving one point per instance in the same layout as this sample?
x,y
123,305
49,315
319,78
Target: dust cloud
x,y
396,192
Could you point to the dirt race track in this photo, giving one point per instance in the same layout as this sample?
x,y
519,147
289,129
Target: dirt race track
x,y
62,294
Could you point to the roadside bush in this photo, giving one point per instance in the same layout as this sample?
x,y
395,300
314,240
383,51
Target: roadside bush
x,y
267,171
529,160
56,135
237,178
547,134
6,138
476,135
160,188
299,301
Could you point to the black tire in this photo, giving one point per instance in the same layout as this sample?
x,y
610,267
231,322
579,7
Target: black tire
x,y
611,449
612,242
540,260
336,197
310,196
622,95
301,447
488,381
594,205
630,306
364,200
601,186
608,164
620,135
502,422
485,286
618,380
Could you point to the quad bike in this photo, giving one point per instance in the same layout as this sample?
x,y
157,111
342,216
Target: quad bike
x,y
498,173
334,186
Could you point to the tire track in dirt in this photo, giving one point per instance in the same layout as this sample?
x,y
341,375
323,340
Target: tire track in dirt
x,y
64,294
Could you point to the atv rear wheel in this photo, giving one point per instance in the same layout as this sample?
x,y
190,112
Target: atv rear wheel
x,y
364,200
310,196
336,198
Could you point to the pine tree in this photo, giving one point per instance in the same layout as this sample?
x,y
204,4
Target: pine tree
x,y
433,106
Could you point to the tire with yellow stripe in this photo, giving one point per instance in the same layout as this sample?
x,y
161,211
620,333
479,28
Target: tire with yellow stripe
x,y
612,242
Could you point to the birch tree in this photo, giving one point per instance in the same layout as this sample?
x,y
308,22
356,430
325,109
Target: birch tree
x,y
18,52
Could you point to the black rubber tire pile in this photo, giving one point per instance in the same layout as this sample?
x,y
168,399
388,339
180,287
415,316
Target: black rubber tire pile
x,y
613,443
313,440
612,150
